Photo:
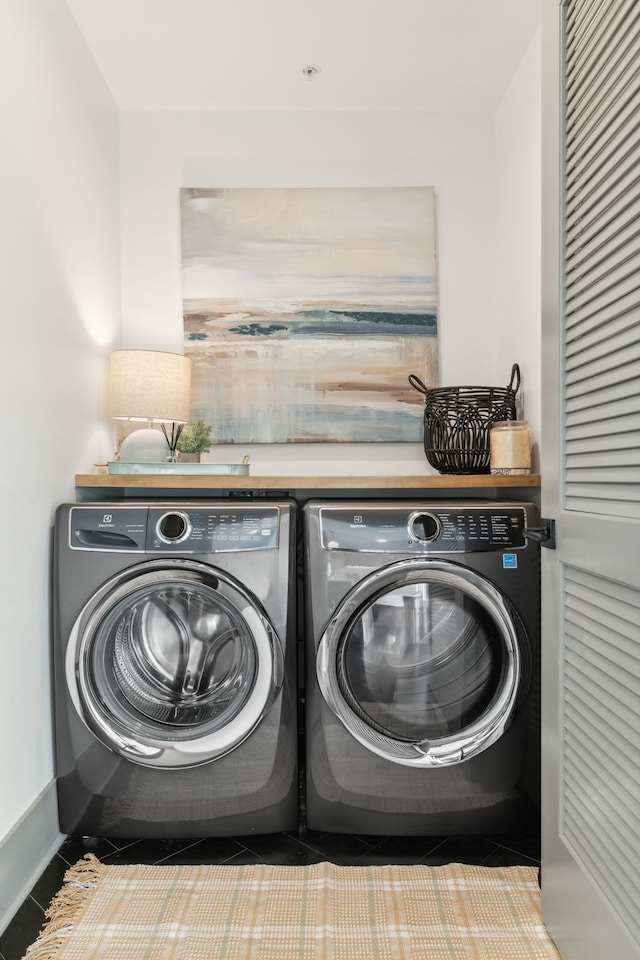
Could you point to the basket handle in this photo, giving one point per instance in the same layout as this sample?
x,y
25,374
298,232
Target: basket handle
x,y
515,378
417,383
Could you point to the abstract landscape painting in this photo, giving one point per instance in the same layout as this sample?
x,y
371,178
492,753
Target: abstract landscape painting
x,y
306,309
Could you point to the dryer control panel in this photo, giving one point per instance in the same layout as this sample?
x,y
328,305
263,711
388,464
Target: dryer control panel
x,y
422,529
174,529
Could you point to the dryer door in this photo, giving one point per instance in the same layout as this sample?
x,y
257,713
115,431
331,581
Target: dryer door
x,y
173,663
424,662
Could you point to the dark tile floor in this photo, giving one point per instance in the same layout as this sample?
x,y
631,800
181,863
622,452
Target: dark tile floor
x,y
284,848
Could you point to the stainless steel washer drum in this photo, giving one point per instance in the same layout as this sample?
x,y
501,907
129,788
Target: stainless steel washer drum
x,y
173,663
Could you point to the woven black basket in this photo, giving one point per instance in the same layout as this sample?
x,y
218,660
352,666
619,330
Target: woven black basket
x,y
457,421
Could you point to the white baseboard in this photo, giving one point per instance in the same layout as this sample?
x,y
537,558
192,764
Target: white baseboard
x,y
26,851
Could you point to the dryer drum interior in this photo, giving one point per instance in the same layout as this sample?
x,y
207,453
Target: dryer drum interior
x,y
423,664
421,661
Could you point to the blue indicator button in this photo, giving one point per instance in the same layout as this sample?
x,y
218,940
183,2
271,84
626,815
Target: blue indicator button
x,y
509,561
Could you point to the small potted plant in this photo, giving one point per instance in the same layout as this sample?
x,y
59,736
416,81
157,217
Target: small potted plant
x,y
194,440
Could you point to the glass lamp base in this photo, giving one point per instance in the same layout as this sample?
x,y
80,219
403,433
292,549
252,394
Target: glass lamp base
x,y
144,446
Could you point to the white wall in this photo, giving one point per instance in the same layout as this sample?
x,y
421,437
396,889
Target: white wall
x,y
164,150
518,210
59,276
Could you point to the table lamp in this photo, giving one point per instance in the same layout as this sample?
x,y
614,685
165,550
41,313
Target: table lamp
x,y
149,386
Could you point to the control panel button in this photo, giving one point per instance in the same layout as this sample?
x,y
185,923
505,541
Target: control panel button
x,y
173,527
424,526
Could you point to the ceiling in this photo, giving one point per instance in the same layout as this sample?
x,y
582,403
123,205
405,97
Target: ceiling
x,y
433,55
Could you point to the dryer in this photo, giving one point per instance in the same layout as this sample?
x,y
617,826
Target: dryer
x,y
175,668
422,663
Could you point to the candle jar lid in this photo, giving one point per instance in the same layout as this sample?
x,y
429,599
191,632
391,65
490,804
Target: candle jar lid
x,y
510,425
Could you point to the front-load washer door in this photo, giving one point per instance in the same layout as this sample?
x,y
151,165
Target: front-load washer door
x,y
424,662
173,663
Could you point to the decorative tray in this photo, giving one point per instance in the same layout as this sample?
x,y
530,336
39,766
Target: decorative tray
x,y
219,469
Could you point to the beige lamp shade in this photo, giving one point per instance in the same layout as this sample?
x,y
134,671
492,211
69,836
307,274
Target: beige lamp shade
x,y
150,385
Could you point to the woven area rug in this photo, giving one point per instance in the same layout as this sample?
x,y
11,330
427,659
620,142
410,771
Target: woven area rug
x,y
319,912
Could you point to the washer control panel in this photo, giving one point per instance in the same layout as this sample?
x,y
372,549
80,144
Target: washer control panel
x,y
212,530
174,529
422,530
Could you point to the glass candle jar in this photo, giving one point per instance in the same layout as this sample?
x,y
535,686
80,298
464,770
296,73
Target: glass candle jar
x,y
510,447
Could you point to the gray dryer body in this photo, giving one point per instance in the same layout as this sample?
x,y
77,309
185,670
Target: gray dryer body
x,y
422,665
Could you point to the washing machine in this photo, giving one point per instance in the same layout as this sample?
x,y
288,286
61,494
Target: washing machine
x,y
175,668
422,663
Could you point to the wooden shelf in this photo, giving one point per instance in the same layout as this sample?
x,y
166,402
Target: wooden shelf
x,y
217,482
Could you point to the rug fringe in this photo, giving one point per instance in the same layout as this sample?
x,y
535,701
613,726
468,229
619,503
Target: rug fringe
x,y
66,907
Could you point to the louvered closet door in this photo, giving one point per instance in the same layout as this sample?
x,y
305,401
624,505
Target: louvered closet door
x,y
591,467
